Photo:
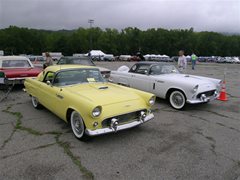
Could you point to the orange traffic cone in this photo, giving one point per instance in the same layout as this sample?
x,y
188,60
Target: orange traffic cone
x,y
223,94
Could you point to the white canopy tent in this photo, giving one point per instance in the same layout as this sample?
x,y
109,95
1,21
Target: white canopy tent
x,y
96,53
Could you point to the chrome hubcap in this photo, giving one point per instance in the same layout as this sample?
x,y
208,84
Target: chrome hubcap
x,y
178,99
77,123
34,101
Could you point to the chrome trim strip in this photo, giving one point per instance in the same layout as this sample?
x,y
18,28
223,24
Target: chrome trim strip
x,y
119,128
16,80
20,78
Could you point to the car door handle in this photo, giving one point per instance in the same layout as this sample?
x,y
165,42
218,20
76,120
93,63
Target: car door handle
x,y
59,96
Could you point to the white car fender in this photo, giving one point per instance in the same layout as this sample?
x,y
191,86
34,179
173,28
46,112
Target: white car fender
x,y
119,77
124,82
177,88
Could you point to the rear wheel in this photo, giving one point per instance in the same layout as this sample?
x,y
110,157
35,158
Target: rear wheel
x,y
177,99
35,103
78,127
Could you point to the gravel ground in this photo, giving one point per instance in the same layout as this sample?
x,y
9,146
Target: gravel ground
x,y
201,142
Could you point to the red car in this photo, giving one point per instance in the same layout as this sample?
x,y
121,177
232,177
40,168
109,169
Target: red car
x,y
14,69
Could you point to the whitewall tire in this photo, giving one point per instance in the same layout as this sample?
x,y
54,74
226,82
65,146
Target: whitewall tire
x,y
35,103
77,125
177,99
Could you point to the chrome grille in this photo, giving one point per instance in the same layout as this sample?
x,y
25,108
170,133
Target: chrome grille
x,y
123,119
207,93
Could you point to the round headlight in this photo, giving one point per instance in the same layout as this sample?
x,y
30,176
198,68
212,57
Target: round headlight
x,y
97,111
152,100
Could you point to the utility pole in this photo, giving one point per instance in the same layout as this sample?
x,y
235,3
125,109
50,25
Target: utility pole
x,y
90,21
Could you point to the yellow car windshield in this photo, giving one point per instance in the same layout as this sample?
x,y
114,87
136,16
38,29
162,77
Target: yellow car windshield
x,y
77,76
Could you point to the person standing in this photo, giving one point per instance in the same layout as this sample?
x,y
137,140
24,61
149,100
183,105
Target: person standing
x,y
182,61
194,59
49,60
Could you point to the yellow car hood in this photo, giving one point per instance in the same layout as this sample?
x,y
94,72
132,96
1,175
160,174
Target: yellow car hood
x,y
103,93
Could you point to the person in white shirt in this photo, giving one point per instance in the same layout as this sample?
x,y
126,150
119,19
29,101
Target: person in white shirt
x,y
182,61
49,60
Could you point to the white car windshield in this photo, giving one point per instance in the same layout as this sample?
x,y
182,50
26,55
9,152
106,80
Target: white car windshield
x,y
15,64
77,76
163,69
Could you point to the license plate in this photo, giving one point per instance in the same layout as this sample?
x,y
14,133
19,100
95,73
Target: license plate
x,y
1,80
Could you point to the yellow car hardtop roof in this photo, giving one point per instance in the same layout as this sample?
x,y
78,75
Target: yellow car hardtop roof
x,y
55,68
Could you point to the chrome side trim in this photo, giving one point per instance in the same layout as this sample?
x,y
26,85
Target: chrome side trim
x,y
19,78
119,128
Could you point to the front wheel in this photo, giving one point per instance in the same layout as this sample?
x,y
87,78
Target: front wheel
x,y
78,126
177,100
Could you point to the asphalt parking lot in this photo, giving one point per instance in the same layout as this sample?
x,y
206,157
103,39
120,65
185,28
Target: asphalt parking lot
x,y
201,142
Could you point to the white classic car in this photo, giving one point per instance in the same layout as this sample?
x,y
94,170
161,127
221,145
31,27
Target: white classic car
x,y
165,81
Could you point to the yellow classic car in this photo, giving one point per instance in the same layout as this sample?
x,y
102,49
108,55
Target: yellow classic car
x,y
80,95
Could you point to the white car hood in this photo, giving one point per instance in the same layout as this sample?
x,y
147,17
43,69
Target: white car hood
x,y
187,79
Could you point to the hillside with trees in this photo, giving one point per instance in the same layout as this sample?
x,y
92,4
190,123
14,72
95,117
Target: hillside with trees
x,y
15,40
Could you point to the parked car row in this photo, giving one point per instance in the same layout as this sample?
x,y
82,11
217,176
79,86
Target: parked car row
x,y
212,59
14,69
160,58
147,57
165,58
74,89
235,60
79,95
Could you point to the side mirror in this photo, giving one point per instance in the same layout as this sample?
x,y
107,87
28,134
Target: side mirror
x,y
49,83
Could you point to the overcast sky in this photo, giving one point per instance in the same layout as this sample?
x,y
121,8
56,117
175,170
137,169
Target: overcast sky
x,y
202,15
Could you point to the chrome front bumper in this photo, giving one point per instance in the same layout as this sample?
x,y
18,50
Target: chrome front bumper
x,y
204,98
119,128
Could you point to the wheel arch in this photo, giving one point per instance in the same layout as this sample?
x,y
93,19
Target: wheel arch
x,y
170,90
69,112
